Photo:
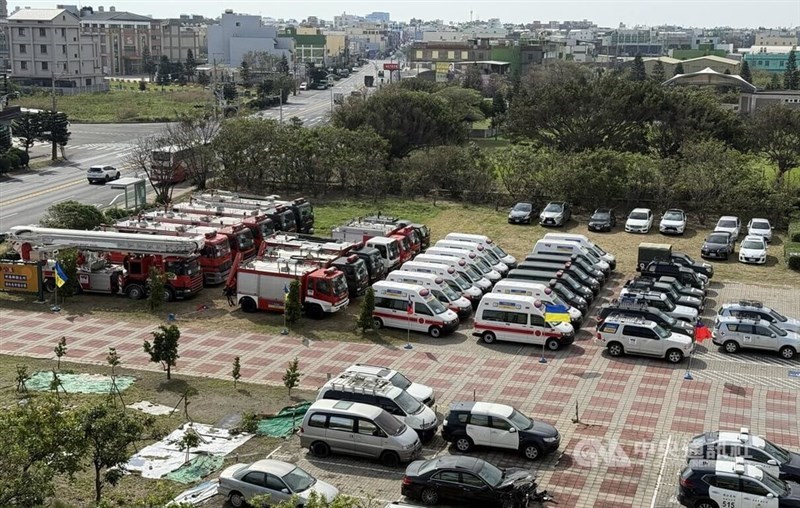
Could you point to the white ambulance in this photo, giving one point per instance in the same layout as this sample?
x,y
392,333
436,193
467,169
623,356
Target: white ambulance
x,y
464,272
487,242
471,257
539,291
412,307
586,243
519,319
478,249
444,293
565,246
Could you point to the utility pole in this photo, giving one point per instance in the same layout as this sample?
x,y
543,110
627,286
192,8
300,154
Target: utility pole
x,y
54,153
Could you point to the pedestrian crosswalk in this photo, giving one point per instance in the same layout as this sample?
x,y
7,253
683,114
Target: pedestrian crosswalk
x,y
767,358
106,147
746,379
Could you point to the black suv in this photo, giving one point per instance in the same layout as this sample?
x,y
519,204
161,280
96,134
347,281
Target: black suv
x,y
666,268
603,219
682,259
625,309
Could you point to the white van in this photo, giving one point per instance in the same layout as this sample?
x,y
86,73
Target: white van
x,y
539,291
444,293
588,244
464,273
485,268
487,242
478,249
519,319
389,250
394,300
562,246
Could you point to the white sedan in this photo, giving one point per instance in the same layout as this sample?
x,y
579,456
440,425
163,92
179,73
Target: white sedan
x,y
280,480
640,220
753,250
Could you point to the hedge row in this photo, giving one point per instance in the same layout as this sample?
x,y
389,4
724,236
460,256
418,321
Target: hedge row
x,y
13,158
794,231
792,252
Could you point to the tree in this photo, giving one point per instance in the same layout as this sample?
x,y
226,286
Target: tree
x,y
193,134
156,289
775,132
29,127
236,373
774,82
679,69
109,432
638,71
464,103
149,66
658,73
142,85
189,440
244,74
68,260
283,65
55,129
72,215
791,75
164,67
140,158
203,78
745,74
60,350
293,308
41,439
229,92
364,320
190,65
291,378
473,78
164,348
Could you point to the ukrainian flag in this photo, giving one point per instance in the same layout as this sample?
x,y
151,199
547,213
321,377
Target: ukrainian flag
x,y
61,277
556,314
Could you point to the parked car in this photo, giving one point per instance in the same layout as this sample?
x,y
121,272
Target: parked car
x,y
556,213
623,335
419,391
650,284
734,333
718,244
755,450
102,174
303,86
730,224
467,481
753,249
628,309
662,302
240,483
603,219
760,227
755,309
673,222
640,220
682,259
471,424
681,288
684,275
521,213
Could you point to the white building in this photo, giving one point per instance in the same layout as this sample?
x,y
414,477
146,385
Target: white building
x,y
47,45
238,34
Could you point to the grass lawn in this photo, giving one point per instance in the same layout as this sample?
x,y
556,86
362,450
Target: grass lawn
x,y
215,400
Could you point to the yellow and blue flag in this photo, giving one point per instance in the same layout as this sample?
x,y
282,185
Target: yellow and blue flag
x,y
61,277
556,314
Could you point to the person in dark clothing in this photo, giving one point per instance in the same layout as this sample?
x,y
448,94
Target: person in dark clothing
x,y
229,293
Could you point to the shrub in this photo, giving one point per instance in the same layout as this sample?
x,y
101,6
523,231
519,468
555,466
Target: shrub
x,y
792,253
23,157
5,164
794,231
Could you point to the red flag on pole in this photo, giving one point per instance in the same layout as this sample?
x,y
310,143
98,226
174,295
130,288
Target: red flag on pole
x,y
410,306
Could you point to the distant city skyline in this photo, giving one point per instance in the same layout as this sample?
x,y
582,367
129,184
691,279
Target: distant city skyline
x,y
688,13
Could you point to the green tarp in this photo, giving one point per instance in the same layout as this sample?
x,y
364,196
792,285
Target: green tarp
x,y
196,469
284,423
77,383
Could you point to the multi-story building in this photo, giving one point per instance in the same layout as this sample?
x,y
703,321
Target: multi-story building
x,y
184,34
767,58
776,38
378,17
238,34
123,38
47,46
309,45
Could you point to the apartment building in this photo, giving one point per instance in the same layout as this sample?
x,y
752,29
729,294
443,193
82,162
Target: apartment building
x,y
47,46
237,34
776,38
123,38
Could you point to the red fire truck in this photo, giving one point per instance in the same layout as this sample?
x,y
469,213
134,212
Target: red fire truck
x,y
239,236
259,222
357,231
263,284
354,269
116,263
215,256
283,217
302,210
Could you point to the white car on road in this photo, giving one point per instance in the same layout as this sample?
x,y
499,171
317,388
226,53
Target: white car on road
x,y
640,220
102,174
753,250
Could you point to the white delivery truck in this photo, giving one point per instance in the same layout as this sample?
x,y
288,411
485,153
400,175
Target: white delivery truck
x,y
490,246
476,283
483,267
478,249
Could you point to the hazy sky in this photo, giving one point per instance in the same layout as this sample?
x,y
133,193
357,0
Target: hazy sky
x,y
708,13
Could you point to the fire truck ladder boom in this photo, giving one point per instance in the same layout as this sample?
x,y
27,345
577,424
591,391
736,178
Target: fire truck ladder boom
x,y
230,202
50,239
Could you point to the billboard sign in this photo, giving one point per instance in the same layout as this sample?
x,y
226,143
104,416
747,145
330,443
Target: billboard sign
x,y
15,276
444,71
394,66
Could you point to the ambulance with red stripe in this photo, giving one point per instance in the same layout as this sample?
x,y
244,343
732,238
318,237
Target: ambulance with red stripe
x,y
517,318
411,307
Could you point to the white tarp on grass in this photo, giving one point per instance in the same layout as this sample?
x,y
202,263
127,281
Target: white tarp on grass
x,y
151,408
158,459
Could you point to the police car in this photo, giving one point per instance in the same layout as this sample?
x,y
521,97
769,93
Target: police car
x,y
757,310
755,450
470,424
734,484
734,333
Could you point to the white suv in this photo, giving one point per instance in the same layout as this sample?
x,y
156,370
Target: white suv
x,y
640,220
102,174
422,393
755,309
634,335
734,333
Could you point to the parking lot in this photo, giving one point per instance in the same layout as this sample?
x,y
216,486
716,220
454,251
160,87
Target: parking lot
x,y
624,422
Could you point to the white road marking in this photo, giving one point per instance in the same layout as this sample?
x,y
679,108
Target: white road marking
x,y
7,216
661,471
274,451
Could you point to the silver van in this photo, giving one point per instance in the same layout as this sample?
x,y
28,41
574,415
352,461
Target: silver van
x,y
352,428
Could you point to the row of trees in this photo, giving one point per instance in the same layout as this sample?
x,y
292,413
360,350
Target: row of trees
x,y
48,126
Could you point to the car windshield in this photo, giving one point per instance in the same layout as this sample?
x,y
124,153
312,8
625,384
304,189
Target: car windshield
x,y
339,284
777,331
726,224
661,332
671,321
559,301
394,250
638,216
752,244
389,424
436,306
490,474
408,403
520,421
298,480
673,215
717,239
776,451
668,304
777,486
523,207
778,316
553,207
400,381
601,216
482,265
448,292
463,283
500,253
760,225
492,256
566,292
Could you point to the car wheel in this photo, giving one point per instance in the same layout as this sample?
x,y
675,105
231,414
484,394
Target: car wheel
x,y
108,178
552,344
248,305
377,323
464,444
507,502
435,332
787,352
49,285
236,499
531,451
731,347
314,311
320,449
135,292
169,294
706,503
390,459
117,176
488,337
615,349
429,496
674,356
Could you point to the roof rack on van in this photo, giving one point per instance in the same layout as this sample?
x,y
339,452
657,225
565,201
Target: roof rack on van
x,y
358,382
639,320
751,303
629,302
